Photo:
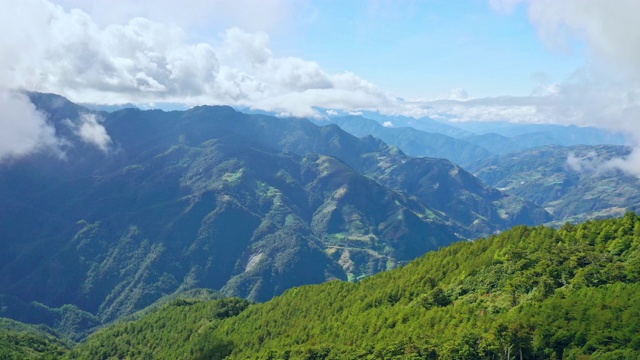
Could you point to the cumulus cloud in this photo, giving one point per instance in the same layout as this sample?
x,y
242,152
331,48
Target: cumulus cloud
x,y
22,128
66,52
629,164
143,61
288,85
458,94
387,124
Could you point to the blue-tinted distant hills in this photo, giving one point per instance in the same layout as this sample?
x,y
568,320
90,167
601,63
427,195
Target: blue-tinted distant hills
x,y
415,142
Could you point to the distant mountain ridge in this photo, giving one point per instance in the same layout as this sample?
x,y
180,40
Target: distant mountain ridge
x,y
467,143
415,142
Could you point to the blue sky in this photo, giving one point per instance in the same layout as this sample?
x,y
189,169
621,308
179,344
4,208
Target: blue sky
x,y
411,49
428,48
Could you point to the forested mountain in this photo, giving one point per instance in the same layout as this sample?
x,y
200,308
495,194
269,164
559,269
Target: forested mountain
x,y
213,198
573,183
530,292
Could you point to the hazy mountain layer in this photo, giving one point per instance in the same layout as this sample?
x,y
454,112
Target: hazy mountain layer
x,y
415,142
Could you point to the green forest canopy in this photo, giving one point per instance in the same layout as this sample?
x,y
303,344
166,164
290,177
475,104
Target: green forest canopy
x,y
530,292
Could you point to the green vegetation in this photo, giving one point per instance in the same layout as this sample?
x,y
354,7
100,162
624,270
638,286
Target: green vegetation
x,y
20,341
67,320
179,330
530,292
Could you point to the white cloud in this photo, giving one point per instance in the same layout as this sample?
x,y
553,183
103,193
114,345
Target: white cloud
x,y
22,128
587,163
607,92
289,85
458,94
629,164
66,52
252,46
92,132
142,61
387,124
591,163
611,30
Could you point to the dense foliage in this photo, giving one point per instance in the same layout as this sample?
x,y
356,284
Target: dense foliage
x,y
180,330
20,341
530,292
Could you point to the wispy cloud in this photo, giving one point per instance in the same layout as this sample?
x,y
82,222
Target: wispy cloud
x,y
22,128
91,131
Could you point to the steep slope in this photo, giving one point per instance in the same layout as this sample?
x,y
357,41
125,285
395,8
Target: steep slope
x,y
226,216
452,191
570,182
534,293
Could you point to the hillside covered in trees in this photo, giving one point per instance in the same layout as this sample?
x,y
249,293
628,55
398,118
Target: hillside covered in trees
x,y
530,292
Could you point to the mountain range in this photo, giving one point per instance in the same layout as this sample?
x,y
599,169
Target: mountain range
x,y
250,205
173,211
